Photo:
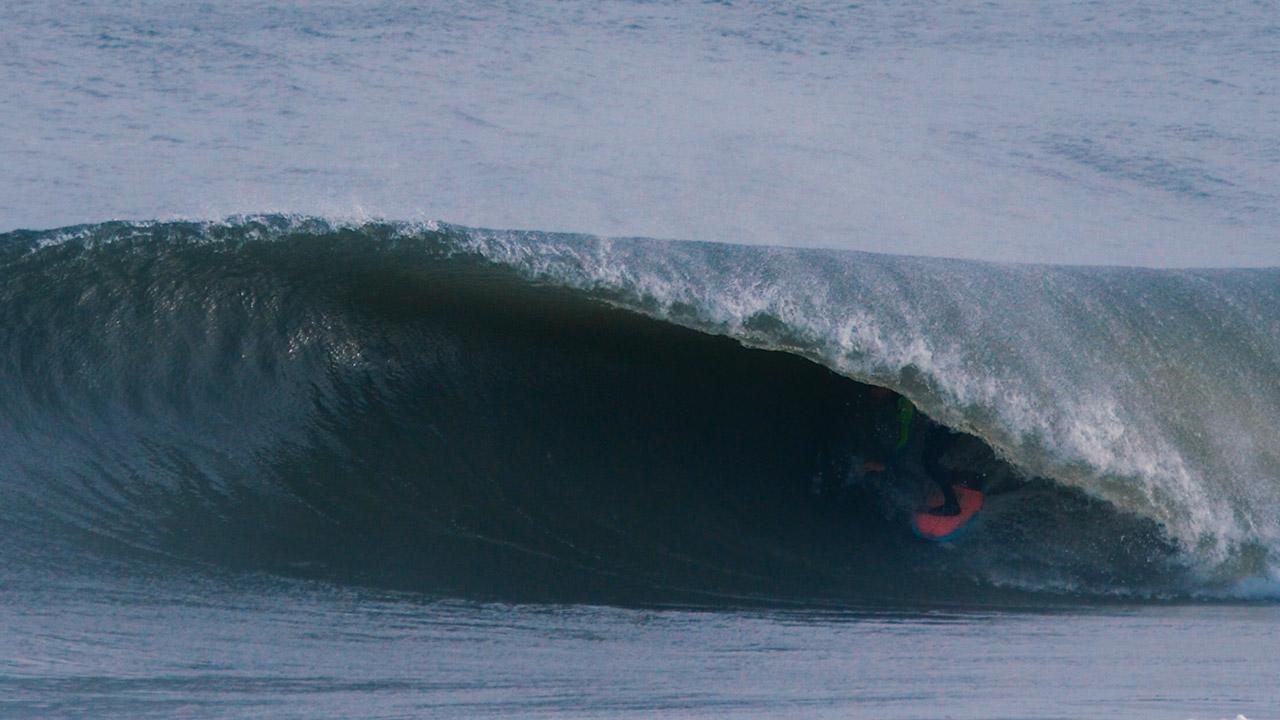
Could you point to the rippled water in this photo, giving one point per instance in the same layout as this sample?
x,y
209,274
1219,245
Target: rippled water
x,y
1064,132
208,648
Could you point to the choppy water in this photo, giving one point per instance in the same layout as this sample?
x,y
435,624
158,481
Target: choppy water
x,y
313,464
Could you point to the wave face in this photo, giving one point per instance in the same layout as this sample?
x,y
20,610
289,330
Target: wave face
x,y
540,415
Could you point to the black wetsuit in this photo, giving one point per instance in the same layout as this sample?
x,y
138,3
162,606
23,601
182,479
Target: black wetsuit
x,y
920,440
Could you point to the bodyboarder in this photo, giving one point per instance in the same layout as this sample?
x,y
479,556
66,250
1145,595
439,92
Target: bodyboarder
x,y
913,445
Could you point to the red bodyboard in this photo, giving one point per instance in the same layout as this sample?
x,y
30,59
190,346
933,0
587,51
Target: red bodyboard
x,y
941,528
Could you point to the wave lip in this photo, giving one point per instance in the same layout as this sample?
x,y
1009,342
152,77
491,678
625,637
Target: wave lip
x,y
1151,389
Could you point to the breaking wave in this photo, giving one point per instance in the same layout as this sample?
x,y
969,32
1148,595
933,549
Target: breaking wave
x,y
543,415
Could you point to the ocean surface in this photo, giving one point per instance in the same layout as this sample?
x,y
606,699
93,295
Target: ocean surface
x,y
287,431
